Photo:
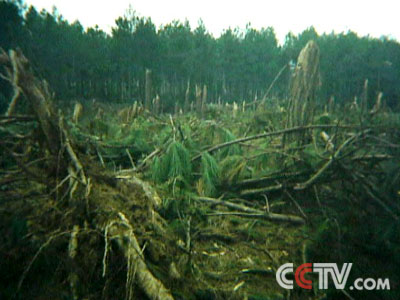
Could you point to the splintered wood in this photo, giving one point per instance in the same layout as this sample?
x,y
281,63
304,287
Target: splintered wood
x,y
304,84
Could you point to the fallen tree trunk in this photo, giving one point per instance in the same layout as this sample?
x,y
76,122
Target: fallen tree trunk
x,y
254,212
122,231
263,190
21,77
268,134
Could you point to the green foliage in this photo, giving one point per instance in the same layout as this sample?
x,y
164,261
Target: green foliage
x,y
227,136
262,161
311,156
175,165
99,128
209,174
178,227
323,119
177,161
173,208
232,169
239,65
138,139
156,171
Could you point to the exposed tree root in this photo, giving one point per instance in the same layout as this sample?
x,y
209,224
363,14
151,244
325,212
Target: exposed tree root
x,y
85,203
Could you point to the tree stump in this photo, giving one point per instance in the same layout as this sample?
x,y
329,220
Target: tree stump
x,y
304,84
148,90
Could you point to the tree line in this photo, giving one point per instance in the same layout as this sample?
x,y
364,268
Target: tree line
x,y
237,66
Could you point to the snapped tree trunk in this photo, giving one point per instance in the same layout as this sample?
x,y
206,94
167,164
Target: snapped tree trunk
x,y
304,84
198,100
186,106
148,90
204,100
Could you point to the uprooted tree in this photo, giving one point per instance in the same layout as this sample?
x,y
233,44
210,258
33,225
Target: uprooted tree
x,y
87,199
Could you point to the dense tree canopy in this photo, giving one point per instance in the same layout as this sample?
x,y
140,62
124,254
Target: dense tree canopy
x,y
237,66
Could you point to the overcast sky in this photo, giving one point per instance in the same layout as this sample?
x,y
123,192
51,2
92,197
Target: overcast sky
x,y
375,18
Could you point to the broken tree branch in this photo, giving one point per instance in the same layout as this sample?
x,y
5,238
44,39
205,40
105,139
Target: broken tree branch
x,y
335,156
122,231
262,190
268,134
255,212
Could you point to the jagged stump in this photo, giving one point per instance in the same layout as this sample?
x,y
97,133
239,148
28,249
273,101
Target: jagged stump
x,y
304,84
